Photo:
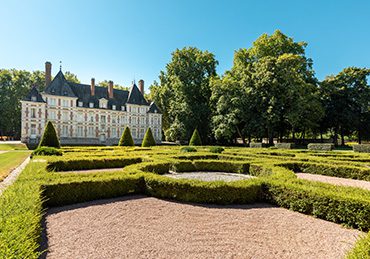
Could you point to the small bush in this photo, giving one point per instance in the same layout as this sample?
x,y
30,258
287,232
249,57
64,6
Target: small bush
x,y
195,139
256,145
362,148
284,145
148,140
188,149
126,138
216,149
49,137
47,151
320,147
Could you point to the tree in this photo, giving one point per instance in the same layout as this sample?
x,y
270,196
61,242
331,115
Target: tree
x,y
126,138
195,139
184,93
105,83
71,77
148,140
49,137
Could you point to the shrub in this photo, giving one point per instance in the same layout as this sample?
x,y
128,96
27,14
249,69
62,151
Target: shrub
x,y
320,147
126,138
47,151
188,149
216,149
49,137
284,145
195,139
148,140
363,148
256,145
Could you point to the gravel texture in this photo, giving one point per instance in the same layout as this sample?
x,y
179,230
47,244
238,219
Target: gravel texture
x,y
209,176
144,227
335,180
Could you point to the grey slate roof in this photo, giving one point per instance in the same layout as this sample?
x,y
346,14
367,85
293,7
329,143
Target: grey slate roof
x,y
136,97
34,93
153,108
61,87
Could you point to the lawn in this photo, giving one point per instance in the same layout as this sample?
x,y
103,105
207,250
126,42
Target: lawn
x,y
10,160
54,181
6,146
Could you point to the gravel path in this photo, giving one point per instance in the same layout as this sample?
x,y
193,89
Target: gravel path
x,y
13,175
3,151
209,176
335,180
144,227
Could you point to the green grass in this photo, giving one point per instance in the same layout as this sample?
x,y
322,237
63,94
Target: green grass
x,y
6,147
41,185
10,160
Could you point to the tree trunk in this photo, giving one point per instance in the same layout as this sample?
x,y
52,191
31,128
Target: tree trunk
x,y
335,137
240,135
359,136
249,139
321,137
270,136
293,135
342,136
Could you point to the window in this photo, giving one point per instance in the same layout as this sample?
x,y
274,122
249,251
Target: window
x,y
64,131
91,105
33,98
141,133
52,115
33,129
80,104
33,112
113,119
123,108
134,133
142,120
52,101
91,132
102,119
155,121
79,131
113,107
80,117
65,116
134,120
91,116
65,103
114,132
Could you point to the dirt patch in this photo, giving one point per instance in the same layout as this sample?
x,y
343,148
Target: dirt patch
x,y
144,227
335,180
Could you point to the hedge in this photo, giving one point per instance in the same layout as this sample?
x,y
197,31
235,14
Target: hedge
x,y
195,139
126,138
362,148
49,137
320,147
46,151
92,163
148,140
284,145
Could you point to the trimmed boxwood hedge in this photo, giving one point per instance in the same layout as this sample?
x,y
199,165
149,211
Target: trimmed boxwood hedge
x,y
320,147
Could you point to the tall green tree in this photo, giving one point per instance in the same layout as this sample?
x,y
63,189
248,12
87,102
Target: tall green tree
x,y
184,93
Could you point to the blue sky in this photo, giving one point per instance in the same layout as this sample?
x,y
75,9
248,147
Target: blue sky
x,y
123,40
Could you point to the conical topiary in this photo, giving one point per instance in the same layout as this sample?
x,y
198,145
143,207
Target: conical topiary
x,y
148,140
50,137
126,138
195,139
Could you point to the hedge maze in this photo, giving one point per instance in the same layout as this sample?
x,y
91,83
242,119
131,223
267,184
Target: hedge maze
x,y
54,181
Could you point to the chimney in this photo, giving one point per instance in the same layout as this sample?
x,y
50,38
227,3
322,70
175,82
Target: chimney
x,y
92,87
110,90
141,86
47,73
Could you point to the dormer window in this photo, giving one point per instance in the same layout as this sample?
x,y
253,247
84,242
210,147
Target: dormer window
x,y
123,108
113,107
91,105
33,98
103,103
80,104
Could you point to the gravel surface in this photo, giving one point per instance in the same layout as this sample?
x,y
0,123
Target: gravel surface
x,y
335,180
209,176
144,227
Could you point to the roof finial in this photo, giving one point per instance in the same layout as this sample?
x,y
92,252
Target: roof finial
x,y
60,65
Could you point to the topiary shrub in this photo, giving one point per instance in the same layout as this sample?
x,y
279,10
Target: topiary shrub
x,y
49,137
195,139
188,149
320,147
363,148
216,149
148,140
46,151
126,138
